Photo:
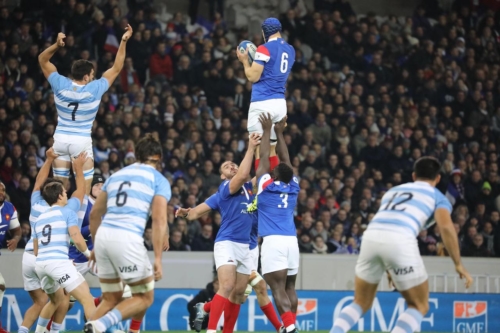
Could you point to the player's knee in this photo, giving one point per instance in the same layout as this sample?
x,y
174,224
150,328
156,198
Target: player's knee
x,y
364,303
40,300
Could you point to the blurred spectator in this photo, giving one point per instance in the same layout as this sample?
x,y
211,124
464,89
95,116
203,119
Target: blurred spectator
x,y
148,239
204,241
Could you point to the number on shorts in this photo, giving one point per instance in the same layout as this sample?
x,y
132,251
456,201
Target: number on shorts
x,y
73,114
121,196
284,62
46,232
408,196
285,200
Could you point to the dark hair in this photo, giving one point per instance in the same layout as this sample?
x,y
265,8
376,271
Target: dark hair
x,y
50,180
284,173
81,68
148,147
51,192
427,168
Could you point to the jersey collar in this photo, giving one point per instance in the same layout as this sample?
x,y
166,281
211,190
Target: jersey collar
x,y
271,39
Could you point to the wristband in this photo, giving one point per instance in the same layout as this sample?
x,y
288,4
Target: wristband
x,y
86,253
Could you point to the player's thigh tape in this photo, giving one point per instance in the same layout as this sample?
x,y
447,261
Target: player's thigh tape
x,y
127,293
88,174
61,172
143,288
256,279
111,287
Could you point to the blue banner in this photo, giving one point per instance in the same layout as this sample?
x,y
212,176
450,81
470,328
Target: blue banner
x,y
471,313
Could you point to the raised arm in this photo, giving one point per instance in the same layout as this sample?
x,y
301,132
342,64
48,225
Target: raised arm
x,y
80,179
44,57
44,172
114,71
265,146
246,165
282,149
254,71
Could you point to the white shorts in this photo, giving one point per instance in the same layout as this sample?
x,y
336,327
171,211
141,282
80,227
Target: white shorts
x,y
254,258
279,253
235,254
383,250
55,273
30,278
84,268
275,107
67,146
121,254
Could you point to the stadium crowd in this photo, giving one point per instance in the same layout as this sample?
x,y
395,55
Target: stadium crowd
x,y
366,98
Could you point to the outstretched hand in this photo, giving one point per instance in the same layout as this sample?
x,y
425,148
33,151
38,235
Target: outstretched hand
x,y
128,33
279,127
60,39
254,140
265,120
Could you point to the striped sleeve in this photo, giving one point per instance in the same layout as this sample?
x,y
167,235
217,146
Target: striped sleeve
x,y
262,55
264,182
56,81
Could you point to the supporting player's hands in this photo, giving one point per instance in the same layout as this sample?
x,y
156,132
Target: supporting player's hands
x,y
242,57
50,154
158,270
254,141
128,33
265,120
279,127
79,161
463,274
60,39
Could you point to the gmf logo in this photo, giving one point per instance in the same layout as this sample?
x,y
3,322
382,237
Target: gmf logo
x,y
307,314
470,317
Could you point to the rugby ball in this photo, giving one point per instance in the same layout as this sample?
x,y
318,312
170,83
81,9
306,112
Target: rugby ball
x,y
251,49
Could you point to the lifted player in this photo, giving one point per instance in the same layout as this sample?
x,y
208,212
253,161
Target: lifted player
x,y
269,74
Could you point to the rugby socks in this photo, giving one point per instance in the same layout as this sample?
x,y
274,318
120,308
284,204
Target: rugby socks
x,y
49,325
288,321
347,318
55,328
217,307
23,329
271,315
408,322
113,317
207,306
294,317
41,325
231,312
135,325
273,162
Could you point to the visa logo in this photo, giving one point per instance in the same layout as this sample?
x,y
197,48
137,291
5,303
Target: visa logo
x,y
307,314
470,317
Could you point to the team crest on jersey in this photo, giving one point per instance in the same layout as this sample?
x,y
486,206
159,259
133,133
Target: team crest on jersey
x,y
7,217
74,88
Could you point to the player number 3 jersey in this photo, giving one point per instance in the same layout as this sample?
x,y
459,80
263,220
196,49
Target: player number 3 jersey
x,y
407,208
276,203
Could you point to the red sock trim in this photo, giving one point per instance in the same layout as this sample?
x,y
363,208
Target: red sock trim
x,y
273,162
135,325
256,164
271,315
49,325
207,306
294,317
97,301
288,319
217,307
231,312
